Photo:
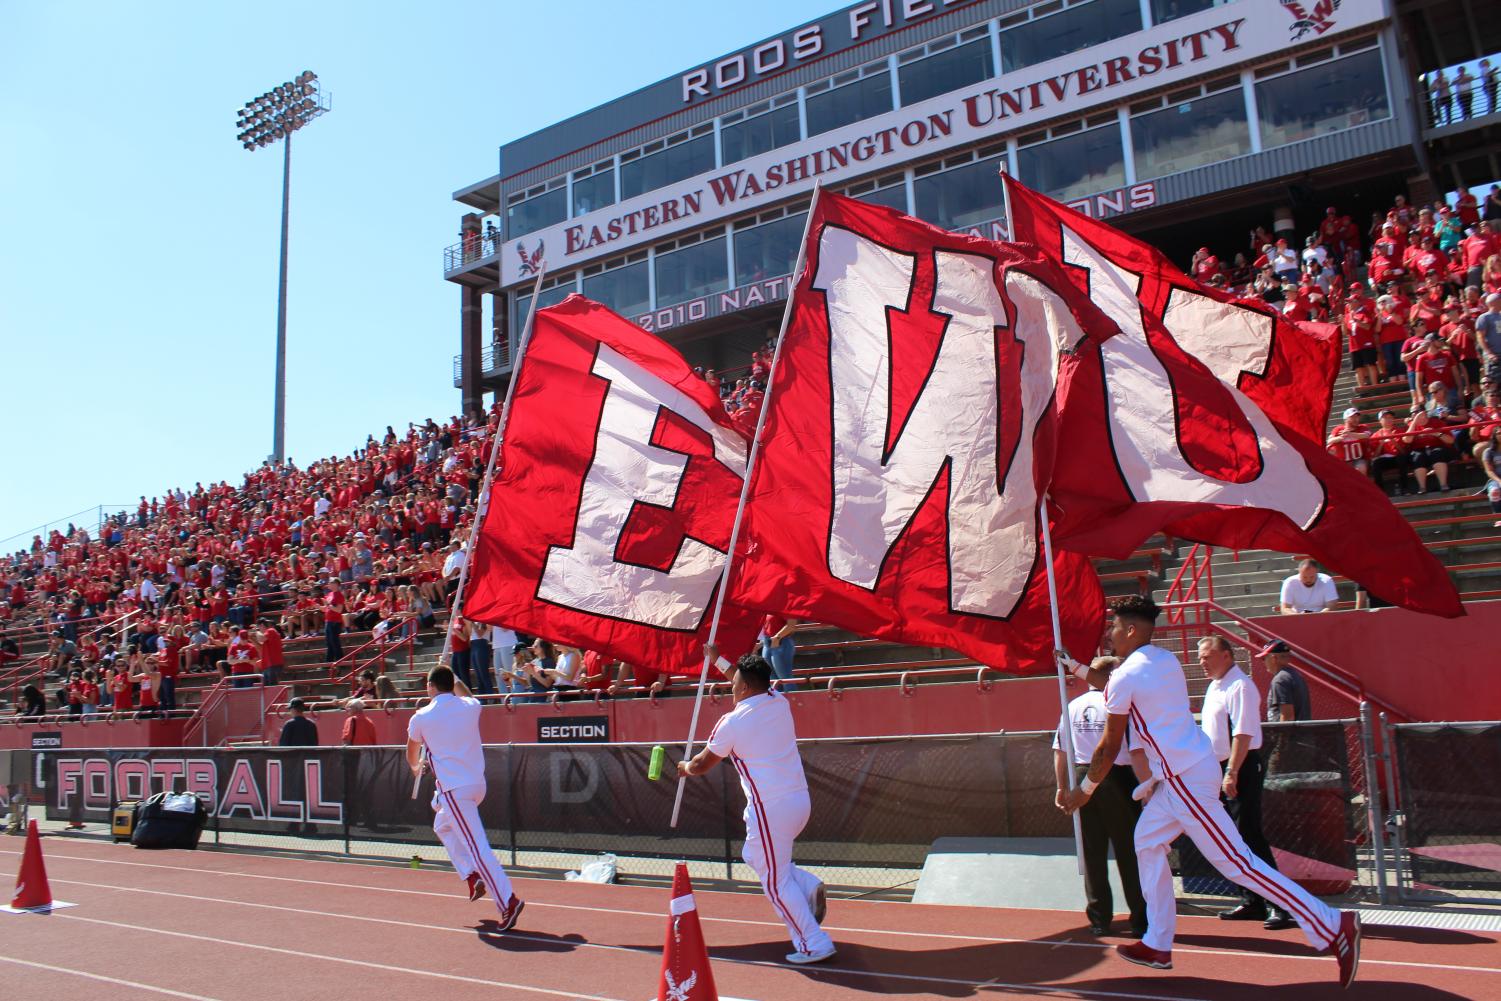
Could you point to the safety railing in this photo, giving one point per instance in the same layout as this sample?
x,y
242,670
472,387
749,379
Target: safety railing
x,y
471,249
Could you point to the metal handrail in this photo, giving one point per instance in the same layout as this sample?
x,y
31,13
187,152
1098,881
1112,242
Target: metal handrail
x,y
471,250
1334,676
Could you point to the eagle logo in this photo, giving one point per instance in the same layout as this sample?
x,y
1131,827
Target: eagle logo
x,y
677,991
1318,21
530,263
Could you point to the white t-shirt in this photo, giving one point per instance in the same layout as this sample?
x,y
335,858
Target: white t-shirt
x,y
321,506
448,727
1304,598
1230,709
568,667
759,739
1149,687
1088,715
454,563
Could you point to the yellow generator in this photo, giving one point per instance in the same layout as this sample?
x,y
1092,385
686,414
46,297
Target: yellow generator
x,y
122,821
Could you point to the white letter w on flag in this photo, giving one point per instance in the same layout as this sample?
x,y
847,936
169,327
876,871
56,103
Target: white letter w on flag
x,y
954,423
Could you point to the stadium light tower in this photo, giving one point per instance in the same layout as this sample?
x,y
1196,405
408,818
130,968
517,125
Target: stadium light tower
x,y
270,118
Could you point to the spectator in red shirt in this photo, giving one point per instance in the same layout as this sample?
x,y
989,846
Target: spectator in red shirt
x,y
1391,331
1350,441
273,658
122,689
333,624
358,730
1430,450
1360,323
1437,364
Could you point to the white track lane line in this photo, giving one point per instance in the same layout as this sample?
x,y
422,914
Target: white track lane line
x,y
116,981
384,967
942,936
1085,993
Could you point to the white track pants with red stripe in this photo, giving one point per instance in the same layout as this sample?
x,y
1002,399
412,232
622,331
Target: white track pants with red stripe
x,y
1190,804
458,826
769,834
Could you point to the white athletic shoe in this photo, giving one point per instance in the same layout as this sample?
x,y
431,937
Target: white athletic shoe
x,y
804,958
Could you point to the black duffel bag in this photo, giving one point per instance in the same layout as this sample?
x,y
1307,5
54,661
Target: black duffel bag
x,y
169,820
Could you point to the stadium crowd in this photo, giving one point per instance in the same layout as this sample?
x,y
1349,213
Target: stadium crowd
x,y
1417,297
219,579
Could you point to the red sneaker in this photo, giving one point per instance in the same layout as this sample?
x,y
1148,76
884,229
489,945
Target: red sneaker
x,y
1144,955
476,887
1346,947
511,913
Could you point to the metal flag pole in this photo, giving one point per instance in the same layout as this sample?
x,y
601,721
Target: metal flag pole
x,y
1067,729
750,465
1066,734
484,491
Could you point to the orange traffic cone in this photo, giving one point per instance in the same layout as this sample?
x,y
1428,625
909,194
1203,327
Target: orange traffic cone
x,y
685,959
32,890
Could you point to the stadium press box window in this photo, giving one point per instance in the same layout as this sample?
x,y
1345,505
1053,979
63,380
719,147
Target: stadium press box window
x,y
1323,98
626,290
1077,165
1191,134
960,197
692,271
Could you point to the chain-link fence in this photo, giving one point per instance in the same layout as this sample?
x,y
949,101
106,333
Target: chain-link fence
x,y
879,804
1447,828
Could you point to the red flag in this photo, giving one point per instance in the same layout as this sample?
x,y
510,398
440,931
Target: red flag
x,y
610,512
686,975
1213,415
909,437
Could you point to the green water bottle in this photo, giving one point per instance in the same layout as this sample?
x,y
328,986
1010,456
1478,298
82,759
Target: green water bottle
x,y
658,759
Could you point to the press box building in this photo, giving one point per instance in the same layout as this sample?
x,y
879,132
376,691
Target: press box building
x,y
1187,122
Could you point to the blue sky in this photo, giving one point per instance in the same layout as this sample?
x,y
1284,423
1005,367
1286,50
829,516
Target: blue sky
x,y
139,254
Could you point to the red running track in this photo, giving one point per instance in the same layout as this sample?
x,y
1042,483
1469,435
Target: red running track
x,y
218,926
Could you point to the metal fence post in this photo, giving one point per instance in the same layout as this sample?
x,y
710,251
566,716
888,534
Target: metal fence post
x,y
351,770
511,800
724,815
1389,756
1373,801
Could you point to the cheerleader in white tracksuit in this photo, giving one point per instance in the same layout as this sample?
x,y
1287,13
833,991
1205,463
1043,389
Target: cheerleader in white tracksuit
x,y
758,738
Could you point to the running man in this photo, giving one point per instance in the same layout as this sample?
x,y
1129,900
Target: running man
x,y
448,729
1148,692
758,737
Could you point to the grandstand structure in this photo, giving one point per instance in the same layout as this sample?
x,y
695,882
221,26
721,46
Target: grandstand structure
x,y
660,204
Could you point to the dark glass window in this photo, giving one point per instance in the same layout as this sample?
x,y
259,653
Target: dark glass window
x,y
537,213
945,71
1068,31
1191,134
1321,99
523,302
850,103
625,290
893,197
659,169
1171,10
691,272
757,135
1074,166
962,197
594,192
769,250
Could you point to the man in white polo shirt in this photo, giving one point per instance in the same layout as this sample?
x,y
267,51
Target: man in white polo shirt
x,y
758,738
1232,718
1308,591
447,728
1109,818
1148,694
